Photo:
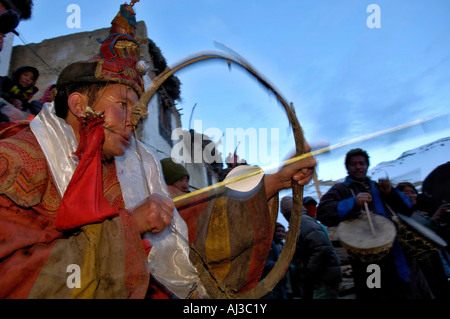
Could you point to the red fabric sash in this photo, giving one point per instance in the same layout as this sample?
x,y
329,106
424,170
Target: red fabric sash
x,y
84,202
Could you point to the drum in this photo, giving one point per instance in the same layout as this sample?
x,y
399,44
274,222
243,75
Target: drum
x,y
356,236
417,240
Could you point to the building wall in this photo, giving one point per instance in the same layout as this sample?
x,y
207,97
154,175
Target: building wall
x,y
5,54
62,51
149,131
201,173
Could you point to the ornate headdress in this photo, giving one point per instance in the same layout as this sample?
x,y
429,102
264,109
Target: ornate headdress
x,y
118,59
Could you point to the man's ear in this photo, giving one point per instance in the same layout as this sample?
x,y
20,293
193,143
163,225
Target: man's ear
x,y
77,103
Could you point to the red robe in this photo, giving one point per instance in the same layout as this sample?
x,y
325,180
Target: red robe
x,y
232,236
36,260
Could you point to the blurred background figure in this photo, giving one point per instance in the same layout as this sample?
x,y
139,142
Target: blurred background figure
x,y
49,94
281,289
11,12
317,270
436,268
176,177
310,205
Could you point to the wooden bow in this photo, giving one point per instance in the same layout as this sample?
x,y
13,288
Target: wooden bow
x,y
269,282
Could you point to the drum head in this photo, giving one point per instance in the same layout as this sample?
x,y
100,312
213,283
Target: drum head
x,y
357,233
423,230
247,187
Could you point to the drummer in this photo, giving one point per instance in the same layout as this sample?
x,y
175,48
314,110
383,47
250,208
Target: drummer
x,y
400,278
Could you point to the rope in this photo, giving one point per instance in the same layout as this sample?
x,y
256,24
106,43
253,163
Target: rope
x,y
37,55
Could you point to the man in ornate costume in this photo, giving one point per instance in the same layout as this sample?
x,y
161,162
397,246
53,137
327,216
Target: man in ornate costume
x,y
77,217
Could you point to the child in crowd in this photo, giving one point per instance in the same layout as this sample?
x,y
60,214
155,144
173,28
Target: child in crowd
x,y
20,89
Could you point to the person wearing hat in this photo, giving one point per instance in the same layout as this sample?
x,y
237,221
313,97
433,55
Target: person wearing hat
x,y
84,210
310,206
176,177
63,202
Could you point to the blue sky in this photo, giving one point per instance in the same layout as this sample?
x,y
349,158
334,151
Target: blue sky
x,y
345,79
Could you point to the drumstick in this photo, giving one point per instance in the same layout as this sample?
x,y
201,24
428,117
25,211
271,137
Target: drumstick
x,y
217,188
316,184
369,218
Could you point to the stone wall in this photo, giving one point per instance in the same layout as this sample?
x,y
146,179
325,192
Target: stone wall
x,y
62,51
